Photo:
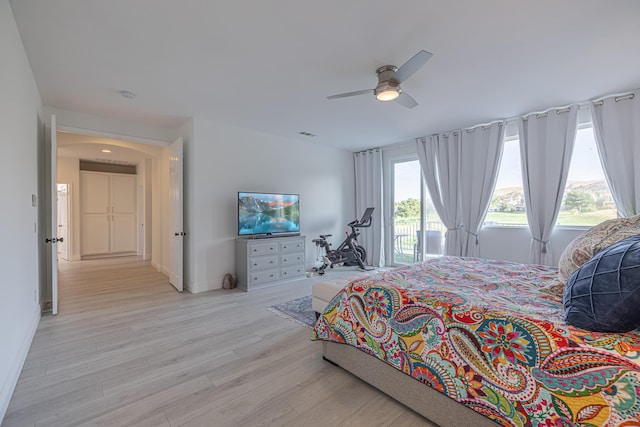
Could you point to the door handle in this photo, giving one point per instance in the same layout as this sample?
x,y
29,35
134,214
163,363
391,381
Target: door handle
x,y
60,239
53,240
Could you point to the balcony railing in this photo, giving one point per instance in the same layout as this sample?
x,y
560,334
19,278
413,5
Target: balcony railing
x,y
407,247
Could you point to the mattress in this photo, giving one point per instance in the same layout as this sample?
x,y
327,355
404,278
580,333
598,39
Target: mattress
x,y
490,335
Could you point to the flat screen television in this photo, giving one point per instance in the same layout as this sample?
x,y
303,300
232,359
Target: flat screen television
x,y
266,214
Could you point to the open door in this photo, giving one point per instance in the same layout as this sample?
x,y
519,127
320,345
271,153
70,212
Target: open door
x,y
63,221
52,227
176,240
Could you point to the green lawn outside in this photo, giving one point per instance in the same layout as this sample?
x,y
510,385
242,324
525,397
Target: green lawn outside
x,y
564,218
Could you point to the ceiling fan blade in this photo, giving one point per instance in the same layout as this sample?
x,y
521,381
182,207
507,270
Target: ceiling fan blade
x,y
407,69
406,100
344,95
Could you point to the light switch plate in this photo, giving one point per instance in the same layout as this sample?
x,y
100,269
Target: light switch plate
x,y
34,200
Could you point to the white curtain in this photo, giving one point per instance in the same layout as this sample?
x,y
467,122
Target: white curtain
x,y
616,124
439,157
546,144
368,169
480,154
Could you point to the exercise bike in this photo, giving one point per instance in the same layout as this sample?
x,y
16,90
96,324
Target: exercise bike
x,y
349,252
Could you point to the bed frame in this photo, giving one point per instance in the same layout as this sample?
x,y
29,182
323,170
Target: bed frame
x,y
419,397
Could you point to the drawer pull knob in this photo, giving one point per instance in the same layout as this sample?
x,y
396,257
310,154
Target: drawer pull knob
x,y
271,275
271,261
284,260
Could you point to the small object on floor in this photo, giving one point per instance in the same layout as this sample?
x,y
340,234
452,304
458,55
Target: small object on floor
x,y
228,282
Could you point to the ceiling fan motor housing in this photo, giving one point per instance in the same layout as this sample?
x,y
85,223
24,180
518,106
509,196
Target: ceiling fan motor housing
x,y
387,80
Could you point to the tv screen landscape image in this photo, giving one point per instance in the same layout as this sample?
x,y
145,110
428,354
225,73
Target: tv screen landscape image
x,y
268,213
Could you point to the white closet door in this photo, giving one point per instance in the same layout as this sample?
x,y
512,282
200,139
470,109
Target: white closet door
x,y
109,219
123,194
95,234
123,233
95,193
95,204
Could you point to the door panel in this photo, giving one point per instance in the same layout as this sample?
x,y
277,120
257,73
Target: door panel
x,y
414,220
52,188
123,194
95,234
63,221
109,218
95,193
176,238
123,233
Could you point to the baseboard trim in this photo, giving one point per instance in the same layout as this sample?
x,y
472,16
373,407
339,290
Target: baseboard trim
x,y
159,268
12,379
204,286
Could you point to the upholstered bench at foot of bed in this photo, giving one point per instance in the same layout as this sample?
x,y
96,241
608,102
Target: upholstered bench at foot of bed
x,y
322,292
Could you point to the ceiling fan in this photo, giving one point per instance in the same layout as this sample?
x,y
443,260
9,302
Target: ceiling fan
x,y
389,79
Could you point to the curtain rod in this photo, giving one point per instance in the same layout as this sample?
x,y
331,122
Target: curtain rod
x,y
581,106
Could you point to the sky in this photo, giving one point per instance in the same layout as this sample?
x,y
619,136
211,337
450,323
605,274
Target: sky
x,y
585,166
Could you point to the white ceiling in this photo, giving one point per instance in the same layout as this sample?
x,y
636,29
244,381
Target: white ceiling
x,y
269,65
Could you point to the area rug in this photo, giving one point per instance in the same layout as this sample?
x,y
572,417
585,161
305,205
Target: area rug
x,y
299,310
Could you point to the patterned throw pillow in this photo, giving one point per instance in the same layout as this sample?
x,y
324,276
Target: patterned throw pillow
x,y
594,240
603,295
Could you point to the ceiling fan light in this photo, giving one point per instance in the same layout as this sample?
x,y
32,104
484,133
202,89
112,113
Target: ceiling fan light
x,y
387,95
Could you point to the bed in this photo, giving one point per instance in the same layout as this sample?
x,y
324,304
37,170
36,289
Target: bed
x,y
468,341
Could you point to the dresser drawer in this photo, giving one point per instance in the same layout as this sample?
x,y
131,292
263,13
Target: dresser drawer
x,y
262,262
294,246
263,249
291,259
293,271
263,276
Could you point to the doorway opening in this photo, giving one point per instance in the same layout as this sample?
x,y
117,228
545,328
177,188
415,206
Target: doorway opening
x,y
125,215
417,232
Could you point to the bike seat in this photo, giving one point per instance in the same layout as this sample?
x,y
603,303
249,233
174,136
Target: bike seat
x,y
324,236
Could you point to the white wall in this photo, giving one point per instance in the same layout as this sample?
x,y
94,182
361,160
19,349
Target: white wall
x,y
223,160
513,243
19,132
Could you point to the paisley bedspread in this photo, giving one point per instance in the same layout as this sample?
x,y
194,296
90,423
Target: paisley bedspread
x,y
490,335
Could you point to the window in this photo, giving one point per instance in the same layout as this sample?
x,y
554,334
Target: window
x,y
507,205
587,199
414,217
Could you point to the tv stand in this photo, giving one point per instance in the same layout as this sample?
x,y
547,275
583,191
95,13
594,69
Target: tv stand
x,y
265,262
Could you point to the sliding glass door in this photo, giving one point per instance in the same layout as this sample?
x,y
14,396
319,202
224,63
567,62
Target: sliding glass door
x,y
416,231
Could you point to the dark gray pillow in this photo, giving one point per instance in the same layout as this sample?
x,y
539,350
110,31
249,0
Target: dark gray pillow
x,y
604,294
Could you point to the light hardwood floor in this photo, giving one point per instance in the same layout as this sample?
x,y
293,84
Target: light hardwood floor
x,y
126,349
